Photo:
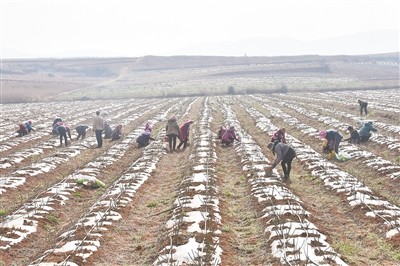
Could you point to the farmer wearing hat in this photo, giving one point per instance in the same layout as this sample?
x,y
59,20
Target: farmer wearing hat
x,y
284,154
354,135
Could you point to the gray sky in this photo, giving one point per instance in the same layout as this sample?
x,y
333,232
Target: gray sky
x,y
38,28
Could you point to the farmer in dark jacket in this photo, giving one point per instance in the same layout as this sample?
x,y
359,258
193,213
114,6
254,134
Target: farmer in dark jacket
x,y
354,136
333,137
63,130
363,107
81,130
56,121
117,132
55,125
144,139
284,154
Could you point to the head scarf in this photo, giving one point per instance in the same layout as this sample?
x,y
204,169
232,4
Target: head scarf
x,y
322,134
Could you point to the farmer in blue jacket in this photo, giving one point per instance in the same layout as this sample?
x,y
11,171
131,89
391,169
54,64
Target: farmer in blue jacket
x,y
365,131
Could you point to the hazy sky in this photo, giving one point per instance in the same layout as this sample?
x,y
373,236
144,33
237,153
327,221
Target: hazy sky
x,y
159,27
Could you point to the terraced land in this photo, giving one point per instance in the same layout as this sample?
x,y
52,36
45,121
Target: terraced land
x,y
206,204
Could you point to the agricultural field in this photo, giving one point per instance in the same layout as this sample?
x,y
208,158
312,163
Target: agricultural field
x,y
206,204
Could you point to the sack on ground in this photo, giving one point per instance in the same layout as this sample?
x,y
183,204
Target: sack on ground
x,y
343,156
90,181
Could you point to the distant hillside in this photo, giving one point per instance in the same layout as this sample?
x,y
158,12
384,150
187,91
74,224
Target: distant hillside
x,y
155,76
109,66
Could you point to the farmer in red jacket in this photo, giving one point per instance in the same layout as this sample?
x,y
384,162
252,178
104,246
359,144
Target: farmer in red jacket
x,y
22,131
184,134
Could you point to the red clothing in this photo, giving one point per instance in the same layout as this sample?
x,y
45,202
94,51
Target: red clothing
x,y
22,127
221,132
279,136
22,131
184,131
184,134
229,136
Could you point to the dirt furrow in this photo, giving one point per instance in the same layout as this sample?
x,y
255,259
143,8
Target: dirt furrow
x,y
243,241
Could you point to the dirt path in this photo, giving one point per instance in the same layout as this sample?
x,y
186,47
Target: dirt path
x,y
243,241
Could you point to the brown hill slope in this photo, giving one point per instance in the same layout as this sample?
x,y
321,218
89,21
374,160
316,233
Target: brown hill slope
x,y
27,80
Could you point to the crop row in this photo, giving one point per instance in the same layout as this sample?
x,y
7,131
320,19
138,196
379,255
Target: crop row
x,y
357,193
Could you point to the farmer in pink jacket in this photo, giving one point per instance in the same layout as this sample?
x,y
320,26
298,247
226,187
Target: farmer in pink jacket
x,y
229,136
